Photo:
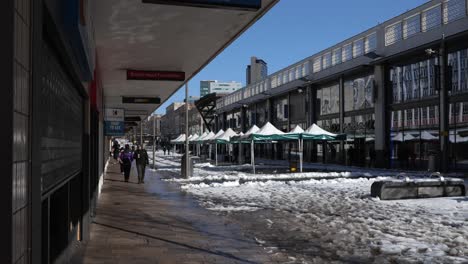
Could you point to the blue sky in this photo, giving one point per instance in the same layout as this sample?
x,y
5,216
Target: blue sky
x,y
292,31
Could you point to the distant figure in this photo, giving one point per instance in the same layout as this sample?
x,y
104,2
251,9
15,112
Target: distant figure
x,y
141,158
121,164
133,149
116,149
333,153
164,149
126,159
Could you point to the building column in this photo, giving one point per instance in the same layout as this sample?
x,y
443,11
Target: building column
x,y
6,106
269,117
244,128
381,117
312,119
443,110
342,112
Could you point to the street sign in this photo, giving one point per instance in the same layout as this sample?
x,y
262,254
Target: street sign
x,y
114,128
248,5
141,100
155,75
114,114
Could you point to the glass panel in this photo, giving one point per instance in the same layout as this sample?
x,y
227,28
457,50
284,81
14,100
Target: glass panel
x,y
453,10
327,60
431,18
359,93
413,81
393,34
336,58
317,64
459,62
412,26
371,42
328,99
358,48
347,52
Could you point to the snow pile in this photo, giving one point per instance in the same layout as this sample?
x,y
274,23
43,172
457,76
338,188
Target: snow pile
x,y
334,220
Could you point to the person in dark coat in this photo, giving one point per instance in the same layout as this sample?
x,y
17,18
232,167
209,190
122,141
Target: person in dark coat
x,y
126,159
141,157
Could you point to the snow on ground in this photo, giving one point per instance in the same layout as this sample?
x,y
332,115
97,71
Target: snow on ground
x,y
326,220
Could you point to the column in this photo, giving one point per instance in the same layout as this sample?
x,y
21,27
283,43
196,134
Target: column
x,y
342,111
443,110
7,108
381,117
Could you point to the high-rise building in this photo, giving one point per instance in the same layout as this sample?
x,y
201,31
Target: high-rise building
x,y
256,71
207,87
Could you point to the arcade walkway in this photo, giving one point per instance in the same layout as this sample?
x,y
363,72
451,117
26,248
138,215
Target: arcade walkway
x,y
156,223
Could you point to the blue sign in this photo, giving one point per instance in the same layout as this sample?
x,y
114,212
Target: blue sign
x,y
114,128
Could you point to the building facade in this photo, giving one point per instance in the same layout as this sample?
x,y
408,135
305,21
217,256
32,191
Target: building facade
x,y
256,71
173,122
398,90
208,87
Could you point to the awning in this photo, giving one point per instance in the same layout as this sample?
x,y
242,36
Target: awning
x,y
225,138
315,132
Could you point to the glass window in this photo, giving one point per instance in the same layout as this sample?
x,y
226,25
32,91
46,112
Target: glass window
x,y
336,57
329,100
412,26
393,34
358,48
327,60
371,42
347,52
431,18
453,10
358,93
317,64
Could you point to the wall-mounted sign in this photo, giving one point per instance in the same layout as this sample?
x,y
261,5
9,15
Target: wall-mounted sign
x,y
155,75
250,5
114,114
141,100
113,128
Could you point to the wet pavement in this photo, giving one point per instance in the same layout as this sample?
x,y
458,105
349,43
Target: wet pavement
x,y
156,223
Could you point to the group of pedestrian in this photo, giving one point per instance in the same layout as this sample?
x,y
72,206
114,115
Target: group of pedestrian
x,y
127,155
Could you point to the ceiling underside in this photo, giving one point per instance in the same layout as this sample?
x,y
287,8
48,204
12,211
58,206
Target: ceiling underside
x,y
133,35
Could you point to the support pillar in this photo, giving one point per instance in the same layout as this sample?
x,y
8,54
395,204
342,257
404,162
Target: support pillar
x,y
443,110
342,111
382,126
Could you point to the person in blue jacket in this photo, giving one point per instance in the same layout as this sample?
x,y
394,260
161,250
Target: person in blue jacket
x,y
126,158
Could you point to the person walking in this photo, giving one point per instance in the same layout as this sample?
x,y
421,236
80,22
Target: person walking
x,y
141,158
126,159
164,149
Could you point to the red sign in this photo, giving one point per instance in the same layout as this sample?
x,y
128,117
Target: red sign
x,y
155,75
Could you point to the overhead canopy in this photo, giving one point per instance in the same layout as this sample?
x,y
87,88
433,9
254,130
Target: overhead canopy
x,y
192,137
216,136
400,137
179,139
130,34
294,134
199,137
458,139
315,132
225,138
266,133
427,136
206,138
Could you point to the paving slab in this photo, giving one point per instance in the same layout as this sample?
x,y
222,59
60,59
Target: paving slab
x,y
157,223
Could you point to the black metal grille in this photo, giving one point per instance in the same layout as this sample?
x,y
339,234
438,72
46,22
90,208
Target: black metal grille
x,y
61,123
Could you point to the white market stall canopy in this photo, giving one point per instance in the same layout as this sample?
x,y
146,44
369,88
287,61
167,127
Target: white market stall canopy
x,y
225,138
179,139
196,139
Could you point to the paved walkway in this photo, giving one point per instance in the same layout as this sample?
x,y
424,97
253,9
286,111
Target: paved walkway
x,y
157,223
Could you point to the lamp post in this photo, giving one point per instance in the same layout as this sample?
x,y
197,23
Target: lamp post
x,y
154,142
187,158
